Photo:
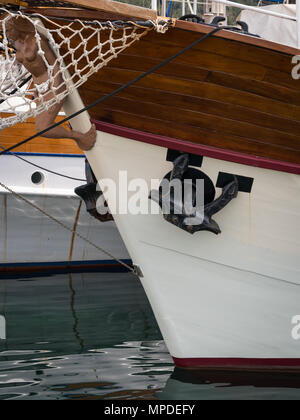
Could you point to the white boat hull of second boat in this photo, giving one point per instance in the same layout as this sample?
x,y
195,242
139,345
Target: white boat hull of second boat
x,y
30,240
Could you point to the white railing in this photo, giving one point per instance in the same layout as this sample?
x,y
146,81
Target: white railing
x,y
193,5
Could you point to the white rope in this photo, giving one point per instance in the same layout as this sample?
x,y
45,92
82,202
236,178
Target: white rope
x,y
80,50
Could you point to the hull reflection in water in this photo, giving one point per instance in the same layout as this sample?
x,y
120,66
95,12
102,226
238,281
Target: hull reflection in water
x,y
212,385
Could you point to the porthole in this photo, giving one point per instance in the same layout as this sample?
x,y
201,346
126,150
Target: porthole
x,y
37,178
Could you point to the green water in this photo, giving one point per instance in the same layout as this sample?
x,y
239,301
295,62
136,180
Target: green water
x,y
94,336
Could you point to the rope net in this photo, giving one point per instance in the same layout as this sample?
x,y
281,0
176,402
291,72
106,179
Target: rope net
x,y
42,60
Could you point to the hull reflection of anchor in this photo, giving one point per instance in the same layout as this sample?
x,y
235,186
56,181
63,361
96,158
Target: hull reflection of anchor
x,y
190,218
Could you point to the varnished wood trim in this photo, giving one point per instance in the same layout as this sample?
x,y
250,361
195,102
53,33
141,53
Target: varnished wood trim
x,y
112,8
115,7
197,149
195,135
210,107
222,47
12,135
203,89
235,36
84,14
203,121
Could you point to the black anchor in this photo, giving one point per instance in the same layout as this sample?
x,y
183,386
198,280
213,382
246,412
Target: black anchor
x,y
175,212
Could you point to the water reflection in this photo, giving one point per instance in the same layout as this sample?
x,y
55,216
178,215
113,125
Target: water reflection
x,y
109,373
80,336
209,385
94,336
75,318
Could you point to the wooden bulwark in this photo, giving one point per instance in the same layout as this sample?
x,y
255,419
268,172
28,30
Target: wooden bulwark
x,y
232,91
223,93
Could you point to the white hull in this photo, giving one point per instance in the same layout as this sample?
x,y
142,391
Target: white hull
x,y
29,239
216,298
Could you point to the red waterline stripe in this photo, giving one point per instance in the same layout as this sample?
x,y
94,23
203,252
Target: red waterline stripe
x,y
235,363
198,149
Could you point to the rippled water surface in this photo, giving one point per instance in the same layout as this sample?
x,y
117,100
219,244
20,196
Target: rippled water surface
x,y
94,336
